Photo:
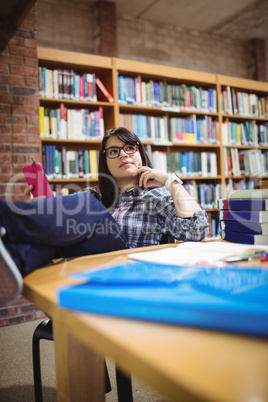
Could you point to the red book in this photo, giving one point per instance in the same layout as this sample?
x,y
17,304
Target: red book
x,y
102,92
81,87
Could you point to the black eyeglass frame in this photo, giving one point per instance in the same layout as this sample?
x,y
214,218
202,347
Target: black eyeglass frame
x,y
119,148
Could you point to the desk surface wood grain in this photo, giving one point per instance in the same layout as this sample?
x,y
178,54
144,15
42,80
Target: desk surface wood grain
x,y
182,363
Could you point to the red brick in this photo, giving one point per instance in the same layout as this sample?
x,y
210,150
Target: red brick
x,y
4,89
2,323
3,79
32,82
32,100
6,169
5,158
7,59
26,71
32,14
17,129
31,61
15,320
19,51
3,118
17,170
5,129
19,159
29,24
16,80
25,33
19,189
19,139
19,119
25,110
5,108
28,308
34,139
30,43
18,197
19,100
9,311
23,91
16,41
4,178
40,314
32,120
5,148
3,69
26,150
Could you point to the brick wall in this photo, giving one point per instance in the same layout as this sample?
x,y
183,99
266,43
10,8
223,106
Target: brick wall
x,y
19,106
145,41
66,25
21,310
19,131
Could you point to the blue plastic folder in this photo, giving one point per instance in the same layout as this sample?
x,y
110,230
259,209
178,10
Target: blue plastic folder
x,y
225,299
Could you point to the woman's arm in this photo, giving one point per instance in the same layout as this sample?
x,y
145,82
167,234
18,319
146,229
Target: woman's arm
x,y
185,204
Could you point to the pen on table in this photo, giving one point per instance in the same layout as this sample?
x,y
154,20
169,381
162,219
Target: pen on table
x,y
249,257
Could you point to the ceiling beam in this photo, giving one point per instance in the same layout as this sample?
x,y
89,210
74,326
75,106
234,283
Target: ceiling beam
x,y
21,11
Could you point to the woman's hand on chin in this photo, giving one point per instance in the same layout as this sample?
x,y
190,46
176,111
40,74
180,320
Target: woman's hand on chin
x,y
151,177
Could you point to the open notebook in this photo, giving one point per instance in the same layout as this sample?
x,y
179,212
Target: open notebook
x,y
188,253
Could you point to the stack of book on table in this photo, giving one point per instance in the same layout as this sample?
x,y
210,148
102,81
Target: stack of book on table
x,y
244,216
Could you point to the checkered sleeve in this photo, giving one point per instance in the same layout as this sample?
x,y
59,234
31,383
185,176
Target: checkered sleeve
x,y
194,228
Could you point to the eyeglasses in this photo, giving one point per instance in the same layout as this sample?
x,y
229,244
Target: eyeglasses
x,y
114,152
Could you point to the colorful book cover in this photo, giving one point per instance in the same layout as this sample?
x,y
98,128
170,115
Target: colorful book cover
x,y
221,299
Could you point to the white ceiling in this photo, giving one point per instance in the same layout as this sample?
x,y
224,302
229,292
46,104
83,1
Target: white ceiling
x,y
238,19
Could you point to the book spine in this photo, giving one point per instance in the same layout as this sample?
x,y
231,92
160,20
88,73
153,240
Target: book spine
x,y
107,95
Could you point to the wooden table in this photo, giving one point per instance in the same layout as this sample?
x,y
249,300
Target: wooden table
x,y
183,364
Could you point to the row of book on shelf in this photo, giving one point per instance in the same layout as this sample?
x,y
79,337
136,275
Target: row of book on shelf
x,y
136,91
247,162
186,164
71,124
243,216
243,103
62,163
67,84
244,133
206,194
192,130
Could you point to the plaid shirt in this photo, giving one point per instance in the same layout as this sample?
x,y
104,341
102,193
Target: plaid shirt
x,y
144,216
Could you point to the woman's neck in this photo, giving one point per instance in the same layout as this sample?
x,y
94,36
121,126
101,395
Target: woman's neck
x,y
123,187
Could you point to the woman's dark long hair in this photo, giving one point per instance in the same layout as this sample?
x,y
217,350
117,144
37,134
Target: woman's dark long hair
x,y
107,184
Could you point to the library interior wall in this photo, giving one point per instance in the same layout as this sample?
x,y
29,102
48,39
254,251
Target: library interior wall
x,y
70,26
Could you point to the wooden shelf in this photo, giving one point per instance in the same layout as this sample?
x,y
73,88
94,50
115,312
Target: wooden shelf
x,y
70,102
109,68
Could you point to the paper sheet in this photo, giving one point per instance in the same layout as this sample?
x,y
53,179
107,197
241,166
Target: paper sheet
x,y
189,253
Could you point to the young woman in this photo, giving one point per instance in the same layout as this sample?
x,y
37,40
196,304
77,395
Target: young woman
x,y
136,210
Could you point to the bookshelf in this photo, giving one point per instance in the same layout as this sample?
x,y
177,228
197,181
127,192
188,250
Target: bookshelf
x,y
243,106
184,117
